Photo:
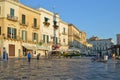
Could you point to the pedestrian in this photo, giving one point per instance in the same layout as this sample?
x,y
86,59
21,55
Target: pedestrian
x,y
29,56
4,54
7,56
38,56
100,55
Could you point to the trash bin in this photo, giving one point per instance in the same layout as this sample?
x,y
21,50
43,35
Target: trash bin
x,y
106,57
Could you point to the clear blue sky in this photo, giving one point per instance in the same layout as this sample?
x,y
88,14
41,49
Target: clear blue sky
x,y
96,17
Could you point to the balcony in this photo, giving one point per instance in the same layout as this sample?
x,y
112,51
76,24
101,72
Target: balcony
x,y
64,33
13,18
23,24
76,35
63,44
35,26
12,37
50,42
46,23
55,26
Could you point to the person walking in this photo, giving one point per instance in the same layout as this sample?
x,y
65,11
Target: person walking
x,y
38,56
5,56
29,56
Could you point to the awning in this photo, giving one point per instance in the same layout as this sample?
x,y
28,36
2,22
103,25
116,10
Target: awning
x,y
74,49
29,47
43,48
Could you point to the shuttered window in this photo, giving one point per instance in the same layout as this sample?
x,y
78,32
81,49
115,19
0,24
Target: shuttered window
x,y
11,33
0,10
23,19
47,38
35,37
24,35
43,38
63,30
35,22
0,30
11,12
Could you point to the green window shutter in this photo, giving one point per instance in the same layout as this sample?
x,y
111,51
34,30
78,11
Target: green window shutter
x,y
33,37
37,37
47,38
14,33
22,34
43,38
0,30
26,35
46,19
56,40
23,19
11,12
64,30
35,22
8,32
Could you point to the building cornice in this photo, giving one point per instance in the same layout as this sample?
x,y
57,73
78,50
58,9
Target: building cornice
x,y
21,5
76,28
29,8
48,12
64,22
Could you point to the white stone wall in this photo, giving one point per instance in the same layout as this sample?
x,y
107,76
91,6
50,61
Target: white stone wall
x,y
101,45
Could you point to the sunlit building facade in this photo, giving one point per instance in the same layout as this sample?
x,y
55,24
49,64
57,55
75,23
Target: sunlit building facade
x,y
76,38
24,29
118,39
51,36
19,28
63,33
100,45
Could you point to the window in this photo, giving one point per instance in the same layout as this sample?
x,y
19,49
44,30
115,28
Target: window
x,y
43,38
0,9
23,18
24,35
55,40
47,38
11,12
55,22
35,22
46,19
64,30
63,40
0,30
35,36
11,33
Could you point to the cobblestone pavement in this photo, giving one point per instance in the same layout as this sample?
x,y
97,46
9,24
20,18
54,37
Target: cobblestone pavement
x,y
58,69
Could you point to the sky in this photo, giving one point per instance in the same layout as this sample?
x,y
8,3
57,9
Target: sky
x,y
96,17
